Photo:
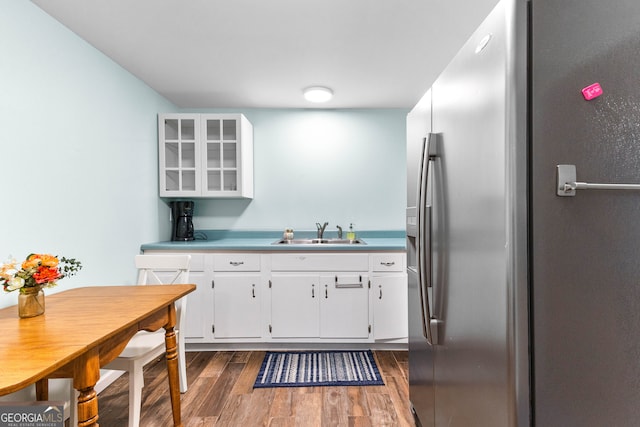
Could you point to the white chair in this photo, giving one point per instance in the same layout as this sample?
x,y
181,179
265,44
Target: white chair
x,y
147,346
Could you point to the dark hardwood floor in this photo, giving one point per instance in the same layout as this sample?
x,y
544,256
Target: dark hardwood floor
x,y
221,394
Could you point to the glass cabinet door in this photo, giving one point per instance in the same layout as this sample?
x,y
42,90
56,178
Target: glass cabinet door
x,y
179,151
221,161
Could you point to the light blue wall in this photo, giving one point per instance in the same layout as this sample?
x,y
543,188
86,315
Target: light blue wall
x,y
78,153
340,166
78,144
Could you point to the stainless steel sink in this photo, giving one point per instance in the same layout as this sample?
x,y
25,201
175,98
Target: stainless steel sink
x,y
319,242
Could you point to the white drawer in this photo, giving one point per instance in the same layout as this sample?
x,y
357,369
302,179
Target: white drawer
x,y
387,262
196,263
319,262
236,262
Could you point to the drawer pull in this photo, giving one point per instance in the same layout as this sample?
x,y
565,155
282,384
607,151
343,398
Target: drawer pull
x,y
236,263
349,285
388,264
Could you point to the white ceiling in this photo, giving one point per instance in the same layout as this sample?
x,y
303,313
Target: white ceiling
x,y
262,53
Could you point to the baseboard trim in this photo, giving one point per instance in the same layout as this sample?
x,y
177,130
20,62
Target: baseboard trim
x,y
296,346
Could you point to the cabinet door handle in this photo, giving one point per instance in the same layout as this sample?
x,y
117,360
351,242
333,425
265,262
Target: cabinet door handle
x,y
388,264
349,285
236,263
253,290
380,297
326,291
313,291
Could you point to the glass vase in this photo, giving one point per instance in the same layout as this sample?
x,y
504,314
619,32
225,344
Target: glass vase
x,y
31,302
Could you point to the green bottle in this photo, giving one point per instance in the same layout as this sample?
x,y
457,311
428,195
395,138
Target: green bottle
x,y
351,234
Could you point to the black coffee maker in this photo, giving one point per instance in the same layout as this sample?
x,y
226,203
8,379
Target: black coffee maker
x,y
182,214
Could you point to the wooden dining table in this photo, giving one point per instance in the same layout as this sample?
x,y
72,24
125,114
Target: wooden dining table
x,y
81,330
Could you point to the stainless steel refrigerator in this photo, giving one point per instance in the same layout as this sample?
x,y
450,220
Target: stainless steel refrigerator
x,y
523,222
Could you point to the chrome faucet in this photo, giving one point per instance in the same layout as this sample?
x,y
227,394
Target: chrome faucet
x,y
339,232
321,229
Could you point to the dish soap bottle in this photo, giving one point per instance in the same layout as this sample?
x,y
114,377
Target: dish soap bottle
x,y
288,234
351,234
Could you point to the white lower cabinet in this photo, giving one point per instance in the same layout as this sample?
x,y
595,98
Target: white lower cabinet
x,y
323,296
197,319
389,296
197,327
237,301
319,306
389,301
296,297
295,305
236,305
344,306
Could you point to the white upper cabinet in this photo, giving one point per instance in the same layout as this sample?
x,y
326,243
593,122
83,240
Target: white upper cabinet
x,y
227,158
205,155
179,154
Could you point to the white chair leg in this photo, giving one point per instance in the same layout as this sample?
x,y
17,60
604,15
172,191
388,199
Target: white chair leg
x,y
136,383
73,405
182,364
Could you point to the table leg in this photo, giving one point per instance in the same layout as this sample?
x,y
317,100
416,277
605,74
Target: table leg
x,y
88,408
87,373
172,370
42,389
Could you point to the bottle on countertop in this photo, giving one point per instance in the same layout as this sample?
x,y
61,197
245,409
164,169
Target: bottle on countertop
x,y
351,234
288,234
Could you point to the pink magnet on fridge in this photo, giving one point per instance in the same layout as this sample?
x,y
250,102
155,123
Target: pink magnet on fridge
x,y
592,91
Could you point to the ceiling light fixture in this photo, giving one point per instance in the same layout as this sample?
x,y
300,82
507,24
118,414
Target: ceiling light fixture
x,y
318,94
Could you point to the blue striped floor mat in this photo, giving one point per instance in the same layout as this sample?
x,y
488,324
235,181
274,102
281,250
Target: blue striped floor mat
x,y
318,368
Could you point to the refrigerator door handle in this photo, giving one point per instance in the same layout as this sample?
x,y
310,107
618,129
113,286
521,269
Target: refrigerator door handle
x,y
566,184
424,232
425,314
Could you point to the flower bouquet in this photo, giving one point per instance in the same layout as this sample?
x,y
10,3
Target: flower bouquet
x,y
38,271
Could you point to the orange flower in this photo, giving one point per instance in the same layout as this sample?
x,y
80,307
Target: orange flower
x,y
46,275
34,260
31,262
49,260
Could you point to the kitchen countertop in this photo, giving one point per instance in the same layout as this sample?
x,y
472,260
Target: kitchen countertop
x,y
231,240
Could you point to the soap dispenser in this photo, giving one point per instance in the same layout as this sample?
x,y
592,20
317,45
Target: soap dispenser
x,y
351,234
